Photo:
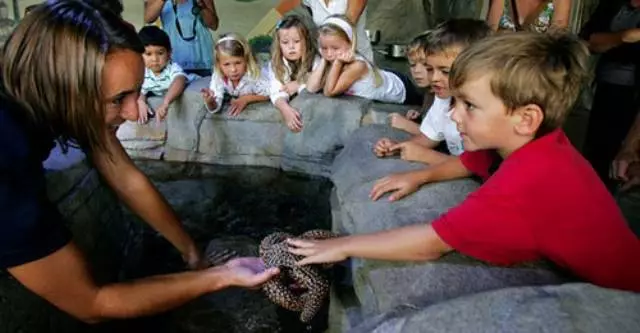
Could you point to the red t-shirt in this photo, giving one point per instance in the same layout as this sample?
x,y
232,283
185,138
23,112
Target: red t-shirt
x,y
544,201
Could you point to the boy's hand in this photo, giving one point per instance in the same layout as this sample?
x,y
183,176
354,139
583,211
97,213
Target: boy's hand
x,y
143,111
291,88
318,251
409,151
162,111
413,114
237,106
209,97
400,184
381,149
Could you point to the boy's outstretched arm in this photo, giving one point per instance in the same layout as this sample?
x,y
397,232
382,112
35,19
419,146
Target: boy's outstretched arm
x,y
403,184
412,243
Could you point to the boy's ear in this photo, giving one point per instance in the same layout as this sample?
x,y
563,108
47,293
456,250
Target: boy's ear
x,y
527,119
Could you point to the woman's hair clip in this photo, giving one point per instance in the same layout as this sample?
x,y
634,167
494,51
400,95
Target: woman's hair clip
x,y
279,24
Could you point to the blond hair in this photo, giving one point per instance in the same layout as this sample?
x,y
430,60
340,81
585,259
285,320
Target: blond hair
x,y
419,45
331,29
234,45
299,69
52,67
547,70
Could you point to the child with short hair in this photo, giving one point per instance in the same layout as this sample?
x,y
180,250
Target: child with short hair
x,y
236,74
417,57
344,71
162,77
513,92
293,56
448,39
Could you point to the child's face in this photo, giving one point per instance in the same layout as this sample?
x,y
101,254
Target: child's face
x,y
331,46
233,68
292,45
156,58
438,67
481,117
418,67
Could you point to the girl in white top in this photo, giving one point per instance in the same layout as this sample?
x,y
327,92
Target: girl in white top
x,y
344,71
292,59
354,10
237,74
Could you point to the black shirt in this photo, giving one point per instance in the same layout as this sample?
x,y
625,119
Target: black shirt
x,y
30,226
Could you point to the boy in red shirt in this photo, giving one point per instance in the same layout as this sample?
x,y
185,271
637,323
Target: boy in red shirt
x,y
512,94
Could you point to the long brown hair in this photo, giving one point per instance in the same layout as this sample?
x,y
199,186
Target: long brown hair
x,y
52,66
300,69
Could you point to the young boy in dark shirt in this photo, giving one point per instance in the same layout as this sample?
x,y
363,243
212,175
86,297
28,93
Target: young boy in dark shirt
x,y
512,93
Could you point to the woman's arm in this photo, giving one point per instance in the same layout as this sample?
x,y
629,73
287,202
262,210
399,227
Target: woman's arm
x,y
63,279
355,9
496,9
139,194
209,14
561,13
314,82
341,76
152,9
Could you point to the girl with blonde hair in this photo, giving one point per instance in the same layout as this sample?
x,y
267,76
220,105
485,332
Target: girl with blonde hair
x,y
236,73
344,71
293,57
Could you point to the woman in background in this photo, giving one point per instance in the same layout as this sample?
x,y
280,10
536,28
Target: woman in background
x,y
536,15
187,22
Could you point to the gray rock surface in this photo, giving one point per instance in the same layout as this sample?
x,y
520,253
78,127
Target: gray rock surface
x,y
256,137
565,308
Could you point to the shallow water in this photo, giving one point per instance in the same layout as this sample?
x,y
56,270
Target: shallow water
x,y
235,207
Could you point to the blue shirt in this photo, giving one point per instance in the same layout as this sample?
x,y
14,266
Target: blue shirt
x,y
30,226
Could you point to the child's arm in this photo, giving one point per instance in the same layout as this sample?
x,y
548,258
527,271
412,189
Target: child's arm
x,y
342,75
412,243
240,103
415,152
403,184
314,82
175,90
213,96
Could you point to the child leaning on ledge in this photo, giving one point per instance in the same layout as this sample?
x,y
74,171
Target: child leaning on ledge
x,y
447,40
512,94
236,74
162,77
417,57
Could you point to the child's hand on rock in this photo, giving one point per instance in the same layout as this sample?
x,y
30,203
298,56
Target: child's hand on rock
x,y
237,106
382,147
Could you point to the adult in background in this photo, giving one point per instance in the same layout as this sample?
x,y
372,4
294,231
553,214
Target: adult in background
x,y
535,15
70,73
187,22
614,32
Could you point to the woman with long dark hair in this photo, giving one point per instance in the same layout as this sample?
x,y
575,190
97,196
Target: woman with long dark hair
x,y
70,73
